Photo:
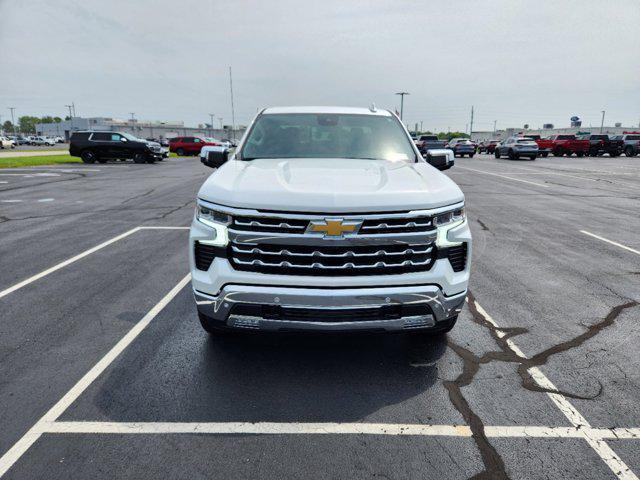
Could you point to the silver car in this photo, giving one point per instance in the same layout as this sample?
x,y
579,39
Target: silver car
x,y
516,147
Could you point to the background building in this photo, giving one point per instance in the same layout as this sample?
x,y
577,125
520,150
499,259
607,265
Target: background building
x,y
139,128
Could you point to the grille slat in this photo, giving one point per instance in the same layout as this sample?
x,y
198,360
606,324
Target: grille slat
x,y
370,226
332,260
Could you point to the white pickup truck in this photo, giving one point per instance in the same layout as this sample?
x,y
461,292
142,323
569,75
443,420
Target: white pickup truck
x,y
328,218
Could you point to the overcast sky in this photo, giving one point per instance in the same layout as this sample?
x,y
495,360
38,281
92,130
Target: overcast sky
x,y
516,61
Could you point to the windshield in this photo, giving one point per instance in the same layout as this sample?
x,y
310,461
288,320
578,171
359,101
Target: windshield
x,y
526,140
429,137
633,137
128,136
304,135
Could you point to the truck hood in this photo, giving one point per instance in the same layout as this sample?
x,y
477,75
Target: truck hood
x,y
329,185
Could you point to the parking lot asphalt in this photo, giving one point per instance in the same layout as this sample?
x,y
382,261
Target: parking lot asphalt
x,y
105,371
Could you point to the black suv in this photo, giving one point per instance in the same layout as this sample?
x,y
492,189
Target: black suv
x,y
101,146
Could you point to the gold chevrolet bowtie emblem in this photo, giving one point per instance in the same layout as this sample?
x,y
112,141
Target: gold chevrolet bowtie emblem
x,y
334,227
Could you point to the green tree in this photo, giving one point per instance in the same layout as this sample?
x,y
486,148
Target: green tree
x,y
57,119
46,119
7,126
28,123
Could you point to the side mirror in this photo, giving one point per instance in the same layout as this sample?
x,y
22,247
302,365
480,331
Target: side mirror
x,y
216,157
122,139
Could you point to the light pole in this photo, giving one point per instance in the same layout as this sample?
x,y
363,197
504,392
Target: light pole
x,y
70,117
211,116
133,119
13,122
602,122
494,127
402,94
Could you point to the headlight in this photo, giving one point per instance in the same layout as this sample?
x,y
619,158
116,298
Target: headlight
x,y
445,221
218,221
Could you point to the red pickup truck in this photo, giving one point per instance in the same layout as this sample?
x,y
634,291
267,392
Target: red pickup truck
x,y
190,145
561,145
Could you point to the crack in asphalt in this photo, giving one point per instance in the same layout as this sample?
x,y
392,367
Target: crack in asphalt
x,y
148,192
483,225
175,209
494,467
76,176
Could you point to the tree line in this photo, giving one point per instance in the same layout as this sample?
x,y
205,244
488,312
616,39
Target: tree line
x,y
27,123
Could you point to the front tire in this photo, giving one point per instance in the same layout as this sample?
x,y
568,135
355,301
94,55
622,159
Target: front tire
x,y
629,152
88,156
496,153
140,158
558,152
180,152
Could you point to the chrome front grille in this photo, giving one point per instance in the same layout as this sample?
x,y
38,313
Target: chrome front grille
x,y
379,224
332,259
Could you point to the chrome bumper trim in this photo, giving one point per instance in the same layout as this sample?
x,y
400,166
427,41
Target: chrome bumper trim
x,y
219,307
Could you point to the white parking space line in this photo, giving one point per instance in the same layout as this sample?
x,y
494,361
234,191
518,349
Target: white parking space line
x,y
615,463
80,256
632,250
29,438
503,176
276,428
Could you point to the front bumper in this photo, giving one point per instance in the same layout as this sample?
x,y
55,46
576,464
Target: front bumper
x,y
222,308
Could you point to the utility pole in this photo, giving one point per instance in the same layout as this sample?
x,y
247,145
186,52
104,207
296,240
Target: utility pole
x,y
420,126
494,127
13,122
233,111
211,116
70,117
602,122
133,119
471,123
220,120
73,105
402,94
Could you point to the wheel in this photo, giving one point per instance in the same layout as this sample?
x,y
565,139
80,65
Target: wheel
x,y
496,153
629,152
613,154
140,158
580,154
512,155
558,152
545,154
471,155
180,152
88,156
533,157
151,160
101,160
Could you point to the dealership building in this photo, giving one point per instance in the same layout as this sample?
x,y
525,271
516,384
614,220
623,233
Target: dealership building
x,y
139,128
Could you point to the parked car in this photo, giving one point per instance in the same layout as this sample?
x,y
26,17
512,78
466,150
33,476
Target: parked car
x,y
462,147
516,147
101,146
291,226
601,144
631,144
59,139
568,145
7,143
488,146
43,141
426,142
190,145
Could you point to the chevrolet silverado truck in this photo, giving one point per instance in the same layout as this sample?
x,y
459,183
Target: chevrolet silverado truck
x,y
328,219
568,145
